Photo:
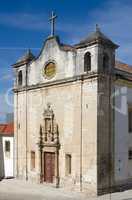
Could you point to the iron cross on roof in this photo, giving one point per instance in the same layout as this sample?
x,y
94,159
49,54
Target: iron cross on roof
x,y
52,21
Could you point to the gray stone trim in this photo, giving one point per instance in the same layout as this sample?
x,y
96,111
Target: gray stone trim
x,y
91,75
57,82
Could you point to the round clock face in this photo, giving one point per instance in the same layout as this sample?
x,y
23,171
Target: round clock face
x,y
50,70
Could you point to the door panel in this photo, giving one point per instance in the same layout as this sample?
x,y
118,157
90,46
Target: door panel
x,y
49,167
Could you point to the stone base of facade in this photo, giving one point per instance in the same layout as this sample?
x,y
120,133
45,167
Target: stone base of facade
x,y
117,187
68,183
72,184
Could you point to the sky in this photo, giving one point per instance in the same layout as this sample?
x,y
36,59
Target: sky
x,y
25,24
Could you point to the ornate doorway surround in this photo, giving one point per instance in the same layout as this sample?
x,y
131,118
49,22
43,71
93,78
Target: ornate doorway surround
x,y
49,148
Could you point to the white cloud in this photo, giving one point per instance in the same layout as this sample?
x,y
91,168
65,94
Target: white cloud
x,y
6,77
6,74
6,104
114,19
24,20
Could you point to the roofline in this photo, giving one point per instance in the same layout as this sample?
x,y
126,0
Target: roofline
x,y
97,41
56,37
21,63
7,134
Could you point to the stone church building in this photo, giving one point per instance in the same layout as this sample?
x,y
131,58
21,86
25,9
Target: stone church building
x,y
73,116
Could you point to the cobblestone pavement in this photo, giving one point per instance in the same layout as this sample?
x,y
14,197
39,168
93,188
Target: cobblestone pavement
x,y
20,190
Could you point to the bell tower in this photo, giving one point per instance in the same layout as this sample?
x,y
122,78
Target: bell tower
x,y
96,56
20,69
96,53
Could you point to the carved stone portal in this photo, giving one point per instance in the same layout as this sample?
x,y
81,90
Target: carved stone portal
x,y
50,128
49,145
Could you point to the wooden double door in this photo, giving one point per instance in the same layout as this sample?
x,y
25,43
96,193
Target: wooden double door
x,y
49,167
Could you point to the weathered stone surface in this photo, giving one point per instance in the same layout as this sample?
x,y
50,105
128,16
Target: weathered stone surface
x,y
83,117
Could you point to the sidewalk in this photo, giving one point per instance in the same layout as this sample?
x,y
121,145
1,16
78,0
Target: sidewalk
x,y
21,190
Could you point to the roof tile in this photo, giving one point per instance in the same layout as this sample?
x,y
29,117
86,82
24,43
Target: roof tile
x,y
123,66
7,129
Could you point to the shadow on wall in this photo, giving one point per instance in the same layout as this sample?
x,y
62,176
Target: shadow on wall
x,y
2,173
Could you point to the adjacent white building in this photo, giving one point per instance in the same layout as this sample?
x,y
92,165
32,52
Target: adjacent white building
x,y
6,150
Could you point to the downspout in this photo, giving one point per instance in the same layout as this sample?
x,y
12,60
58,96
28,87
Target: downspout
x,y
17,135
81,141
26,128
40,144
110,137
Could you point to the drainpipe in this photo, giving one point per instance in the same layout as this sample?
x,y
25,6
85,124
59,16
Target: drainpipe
x,y
26,128
81,141
41,146
110,135
17,136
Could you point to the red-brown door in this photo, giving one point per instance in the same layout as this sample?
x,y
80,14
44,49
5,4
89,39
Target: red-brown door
x,y
49,167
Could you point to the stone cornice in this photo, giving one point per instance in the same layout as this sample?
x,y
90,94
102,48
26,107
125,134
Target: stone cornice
x,y
117,75
57,82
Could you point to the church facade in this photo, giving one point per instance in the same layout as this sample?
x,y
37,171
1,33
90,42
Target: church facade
x,y
69,128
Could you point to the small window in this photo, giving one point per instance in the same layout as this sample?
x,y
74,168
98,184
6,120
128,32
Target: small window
x,y
105,62
87,62
7,146
20,78
32,160
68,164
130,154
130,120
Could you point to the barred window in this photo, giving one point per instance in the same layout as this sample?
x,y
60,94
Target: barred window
x,y
130,120
7,146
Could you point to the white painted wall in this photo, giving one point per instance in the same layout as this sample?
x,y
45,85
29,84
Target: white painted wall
x,y
64,60
123,139
8,157
1,159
